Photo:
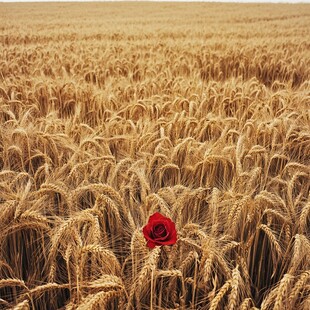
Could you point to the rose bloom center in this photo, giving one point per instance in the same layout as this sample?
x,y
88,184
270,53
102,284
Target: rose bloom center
x,y
160,230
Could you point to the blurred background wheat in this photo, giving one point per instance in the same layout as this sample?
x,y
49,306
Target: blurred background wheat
x,y
111,112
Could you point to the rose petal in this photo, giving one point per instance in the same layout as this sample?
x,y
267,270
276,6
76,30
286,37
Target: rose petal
x,y
171,239
159,228
170,224
164,222
174,237
151,244
147,232
162,239
159,231
156,216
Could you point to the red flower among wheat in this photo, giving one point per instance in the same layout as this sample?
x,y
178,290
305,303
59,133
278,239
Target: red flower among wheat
x,y
159,230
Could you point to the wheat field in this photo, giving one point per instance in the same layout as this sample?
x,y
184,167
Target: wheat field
x,y
111,112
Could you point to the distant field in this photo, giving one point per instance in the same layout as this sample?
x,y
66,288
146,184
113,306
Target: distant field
x,y
111,112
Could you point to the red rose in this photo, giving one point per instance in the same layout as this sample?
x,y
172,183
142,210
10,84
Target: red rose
x,y
159,230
